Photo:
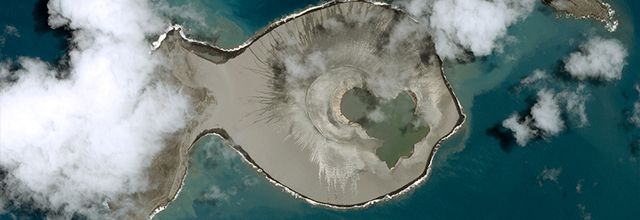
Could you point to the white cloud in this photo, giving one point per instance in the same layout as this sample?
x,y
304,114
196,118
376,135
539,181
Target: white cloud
x,y
9,31
188,11
416,7
477,26
301,68
71,144
2,205
574,103
546,114
598,58
544,119
216,194
521,128
549,174
535,77
376,115
635,113
250,180
561,4
586,215
579,186
635,116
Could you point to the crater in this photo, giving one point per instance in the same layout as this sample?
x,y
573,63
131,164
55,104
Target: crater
x,y
393,122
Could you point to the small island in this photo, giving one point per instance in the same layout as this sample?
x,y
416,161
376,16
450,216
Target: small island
x,y
584,9
288,102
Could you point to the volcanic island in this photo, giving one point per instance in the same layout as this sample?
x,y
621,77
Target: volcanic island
x,y
342,105
584,9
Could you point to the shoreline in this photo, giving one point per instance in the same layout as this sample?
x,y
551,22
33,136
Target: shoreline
x,y
240,48
583,11
222,135
225,136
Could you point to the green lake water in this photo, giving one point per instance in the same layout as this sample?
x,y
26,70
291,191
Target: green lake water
x,y
396,126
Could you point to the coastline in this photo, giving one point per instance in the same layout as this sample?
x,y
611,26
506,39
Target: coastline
x,y
240,48
245,156
217,132
586,9
232,53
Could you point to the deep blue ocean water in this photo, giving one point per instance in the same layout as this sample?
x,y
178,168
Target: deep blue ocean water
x,y
477,174
35,39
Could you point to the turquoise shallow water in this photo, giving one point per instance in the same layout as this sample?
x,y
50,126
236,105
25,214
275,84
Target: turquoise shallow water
x,y
475,176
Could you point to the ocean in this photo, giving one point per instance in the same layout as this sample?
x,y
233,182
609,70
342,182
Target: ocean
x,y
586,172
229,23
35,38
